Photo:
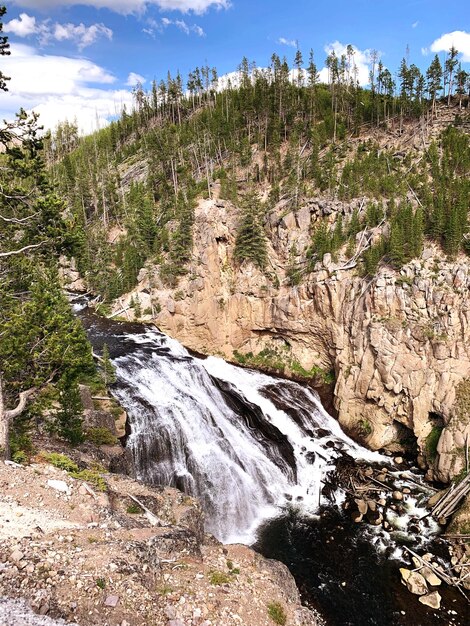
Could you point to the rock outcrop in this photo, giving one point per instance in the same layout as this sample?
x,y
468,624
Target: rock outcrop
x,y
97,558
399,343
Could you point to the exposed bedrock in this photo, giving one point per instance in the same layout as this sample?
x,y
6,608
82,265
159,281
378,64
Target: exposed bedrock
x,y
399,344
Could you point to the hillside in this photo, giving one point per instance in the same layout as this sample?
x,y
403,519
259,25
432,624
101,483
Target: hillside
x,y
318,231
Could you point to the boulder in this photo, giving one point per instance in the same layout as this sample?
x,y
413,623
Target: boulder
x,y
60,485
432,600
361,506
416,584
430,577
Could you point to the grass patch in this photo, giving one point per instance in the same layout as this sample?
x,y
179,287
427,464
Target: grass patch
x,y
276,613
460,476
279,360
431,442
63,462
219,578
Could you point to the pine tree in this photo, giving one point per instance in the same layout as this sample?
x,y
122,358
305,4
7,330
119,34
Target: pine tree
x,y
450,65
396,243
434,80
250,243
4,49
107,368
298,64
41,341
68,419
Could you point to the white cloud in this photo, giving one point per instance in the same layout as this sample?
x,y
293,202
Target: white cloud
x,y
46,31
361,60
460,39
198,30
181,24
60,88
134,79
196,6
92,109
130,6
82,35
23,26
165,22
415,24
287,42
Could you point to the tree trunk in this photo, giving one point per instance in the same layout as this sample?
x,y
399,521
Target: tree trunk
x,y
4,427
6,417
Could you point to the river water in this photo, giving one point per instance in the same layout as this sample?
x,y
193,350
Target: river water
x,y
261,454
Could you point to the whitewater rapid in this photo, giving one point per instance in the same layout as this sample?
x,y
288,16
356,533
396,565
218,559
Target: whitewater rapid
x,y
187,433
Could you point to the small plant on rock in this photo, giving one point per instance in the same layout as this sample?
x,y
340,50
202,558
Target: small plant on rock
x,y
276,613
133,509
101,436
219,578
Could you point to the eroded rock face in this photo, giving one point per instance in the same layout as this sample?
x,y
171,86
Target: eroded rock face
x,y
88,557
399,344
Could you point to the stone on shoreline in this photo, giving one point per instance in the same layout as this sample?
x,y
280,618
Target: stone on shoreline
x,y
432,600
414,581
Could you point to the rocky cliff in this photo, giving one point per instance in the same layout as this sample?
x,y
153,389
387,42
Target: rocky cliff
x,y
126,554
398,343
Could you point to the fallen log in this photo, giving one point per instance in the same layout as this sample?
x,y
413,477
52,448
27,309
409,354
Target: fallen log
x,y
450,501
450,580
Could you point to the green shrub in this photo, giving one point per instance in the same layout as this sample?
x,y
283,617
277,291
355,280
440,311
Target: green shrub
x,y
20,457
133,509
365,427
101,436
276,613
219,578
431,442
61,461
90,476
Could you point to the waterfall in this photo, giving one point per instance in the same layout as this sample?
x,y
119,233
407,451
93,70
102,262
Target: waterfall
x,y
252,448
244,443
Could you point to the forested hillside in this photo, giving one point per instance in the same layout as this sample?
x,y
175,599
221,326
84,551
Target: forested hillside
x,y
253,216
265,136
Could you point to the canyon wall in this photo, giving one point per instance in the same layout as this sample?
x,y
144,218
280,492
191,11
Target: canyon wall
x,y
398,343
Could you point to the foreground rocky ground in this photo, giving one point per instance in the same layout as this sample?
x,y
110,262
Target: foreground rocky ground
x,y
97,557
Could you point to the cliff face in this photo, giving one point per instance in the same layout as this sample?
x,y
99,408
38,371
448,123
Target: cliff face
x,y
399,344
97,558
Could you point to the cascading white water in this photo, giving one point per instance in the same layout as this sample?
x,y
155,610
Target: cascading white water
x,y
186,434
247,445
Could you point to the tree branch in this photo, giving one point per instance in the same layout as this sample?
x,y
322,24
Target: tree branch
x,y
13,252
25,396
16,220
20,407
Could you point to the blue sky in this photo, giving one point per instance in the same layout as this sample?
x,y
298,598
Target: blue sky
x,y
80,59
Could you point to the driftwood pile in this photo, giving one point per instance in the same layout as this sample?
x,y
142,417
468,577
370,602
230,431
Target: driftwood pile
x,y
453,579
451,500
